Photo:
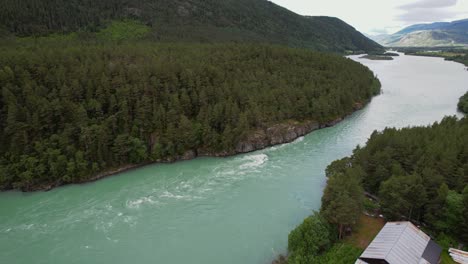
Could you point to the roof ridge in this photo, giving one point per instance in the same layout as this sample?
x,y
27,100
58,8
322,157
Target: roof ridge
x,y
399,237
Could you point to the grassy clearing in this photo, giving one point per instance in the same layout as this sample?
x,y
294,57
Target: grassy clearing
x,y
124,30
445,257
367,228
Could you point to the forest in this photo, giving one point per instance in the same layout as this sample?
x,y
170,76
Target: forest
x,y
463,103
71,109
419,174
212,21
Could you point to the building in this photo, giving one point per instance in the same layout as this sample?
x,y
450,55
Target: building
x,y
459,256
401,243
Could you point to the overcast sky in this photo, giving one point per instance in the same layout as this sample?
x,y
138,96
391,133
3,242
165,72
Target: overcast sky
x,y
381,16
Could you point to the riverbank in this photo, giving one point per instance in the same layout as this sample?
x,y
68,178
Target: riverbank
x,y
459,55
255,199
259,139
351,247
377,57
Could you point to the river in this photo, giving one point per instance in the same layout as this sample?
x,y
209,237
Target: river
x,y
217,210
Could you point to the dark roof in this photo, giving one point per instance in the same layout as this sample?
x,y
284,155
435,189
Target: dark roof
x,y
432,252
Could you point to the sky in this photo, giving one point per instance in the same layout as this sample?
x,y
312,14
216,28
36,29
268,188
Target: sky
x,y
381,16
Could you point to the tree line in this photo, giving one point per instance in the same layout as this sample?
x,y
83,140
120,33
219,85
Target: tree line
x,y
419,174
69,110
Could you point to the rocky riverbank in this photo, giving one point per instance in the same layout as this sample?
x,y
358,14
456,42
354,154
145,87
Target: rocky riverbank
x,y
259,139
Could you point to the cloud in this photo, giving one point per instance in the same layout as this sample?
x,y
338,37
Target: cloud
x,y
429,4
423,11
426,15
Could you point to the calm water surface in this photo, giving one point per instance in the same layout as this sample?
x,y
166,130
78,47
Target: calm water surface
x,y
210,210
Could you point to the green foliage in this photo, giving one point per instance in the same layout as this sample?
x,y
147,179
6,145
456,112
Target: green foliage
x,y
402,196
119,104
340,253
314,242
124,30
419,173
309,240
464,218
453,213
446,242
463,103
211,21
342,200
371,206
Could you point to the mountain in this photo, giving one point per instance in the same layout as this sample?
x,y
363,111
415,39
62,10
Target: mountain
x,y
428,35
187,20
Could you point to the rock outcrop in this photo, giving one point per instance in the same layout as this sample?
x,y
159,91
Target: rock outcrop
x,y
274,135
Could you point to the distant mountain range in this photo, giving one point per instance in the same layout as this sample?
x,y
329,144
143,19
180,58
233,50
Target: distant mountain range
x,y
187,20
428,35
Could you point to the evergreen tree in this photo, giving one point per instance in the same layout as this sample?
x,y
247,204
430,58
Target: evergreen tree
x,y
342,201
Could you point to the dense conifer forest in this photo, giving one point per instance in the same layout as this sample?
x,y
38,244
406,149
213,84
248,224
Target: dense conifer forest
x,y
69,110
258,21
91,86
419,174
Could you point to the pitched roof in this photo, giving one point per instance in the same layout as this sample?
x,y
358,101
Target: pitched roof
x,y
401,242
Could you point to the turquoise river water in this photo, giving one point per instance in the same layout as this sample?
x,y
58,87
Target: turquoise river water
x,y
217,210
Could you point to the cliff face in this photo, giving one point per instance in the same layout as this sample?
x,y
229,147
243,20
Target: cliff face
x,y
267,137
259,139
277,134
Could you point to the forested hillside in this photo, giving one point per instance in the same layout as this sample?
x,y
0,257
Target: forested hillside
x,y
186,20
419,173
70,110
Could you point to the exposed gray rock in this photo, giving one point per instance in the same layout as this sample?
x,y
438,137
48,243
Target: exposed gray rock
x,y
191,154
274,135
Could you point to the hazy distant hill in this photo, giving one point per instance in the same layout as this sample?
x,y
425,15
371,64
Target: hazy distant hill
x,y
428,35
187,20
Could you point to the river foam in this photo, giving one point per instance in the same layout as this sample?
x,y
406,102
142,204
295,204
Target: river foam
x,y
135,204
254,161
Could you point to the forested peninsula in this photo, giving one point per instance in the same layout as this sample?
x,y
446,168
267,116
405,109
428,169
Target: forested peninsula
x,y
73,111
416,174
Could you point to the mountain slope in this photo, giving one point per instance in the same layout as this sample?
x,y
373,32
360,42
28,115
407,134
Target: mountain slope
x,y
428,35
187,20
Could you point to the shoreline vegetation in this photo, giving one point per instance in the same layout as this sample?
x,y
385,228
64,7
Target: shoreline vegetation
x,y
463,103
281,134
380,56
415,174
73,110
376,57
261,139
459,55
